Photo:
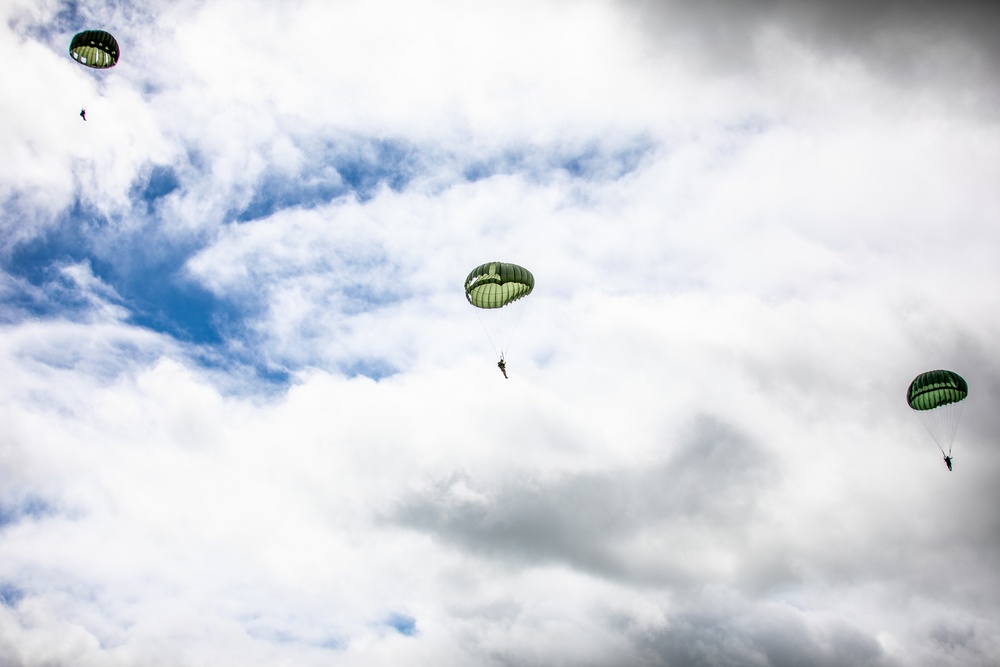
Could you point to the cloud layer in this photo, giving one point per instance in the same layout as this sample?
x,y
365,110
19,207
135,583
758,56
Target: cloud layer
x,y
249,418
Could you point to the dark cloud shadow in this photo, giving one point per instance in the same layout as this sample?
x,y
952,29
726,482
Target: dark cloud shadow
x,y
912,43
588,520
718,630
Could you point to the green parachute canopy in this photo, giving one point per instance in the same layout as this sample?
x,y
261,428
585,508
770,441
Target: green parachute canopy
x,y
497,290
937,398
94,48
934,389
497,284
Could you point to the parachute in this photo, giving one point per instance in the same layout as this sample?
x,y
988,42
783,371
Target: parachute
x,y
94,48
937,398
497,291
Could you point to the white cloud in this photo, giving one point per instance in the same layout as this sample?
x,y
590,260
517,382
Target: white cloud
x,y
703,452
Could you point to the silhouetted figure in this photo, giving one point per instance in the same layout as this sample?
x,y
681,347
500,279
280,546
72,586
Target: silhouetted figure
x,y
83,114
947,461
503,367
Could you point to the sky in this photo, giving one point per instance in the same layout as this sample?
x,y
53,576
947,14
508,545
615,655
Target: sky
x,y
249,419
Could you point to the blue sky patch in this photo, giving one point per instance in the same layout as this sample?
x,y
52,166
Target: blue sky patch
x,y
393,163
143,268
595,162
161,182
359,168
140,270
10,594
164,301
30,508
592,162
66,242
335,171
403,624
375,369
277,190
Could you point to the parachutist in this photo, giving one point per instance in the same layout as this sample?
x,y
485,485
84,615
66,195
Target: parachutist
x,y
938,397
83,114
497,290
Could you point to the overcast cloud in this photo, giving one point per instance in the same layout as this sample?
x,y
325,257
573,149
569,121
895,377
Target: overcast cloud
x,y
249,418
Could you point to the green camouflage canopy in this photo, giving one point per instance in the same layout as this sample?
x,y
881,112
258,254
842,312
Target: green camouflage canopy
x,y
936,388
94,48
496,284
